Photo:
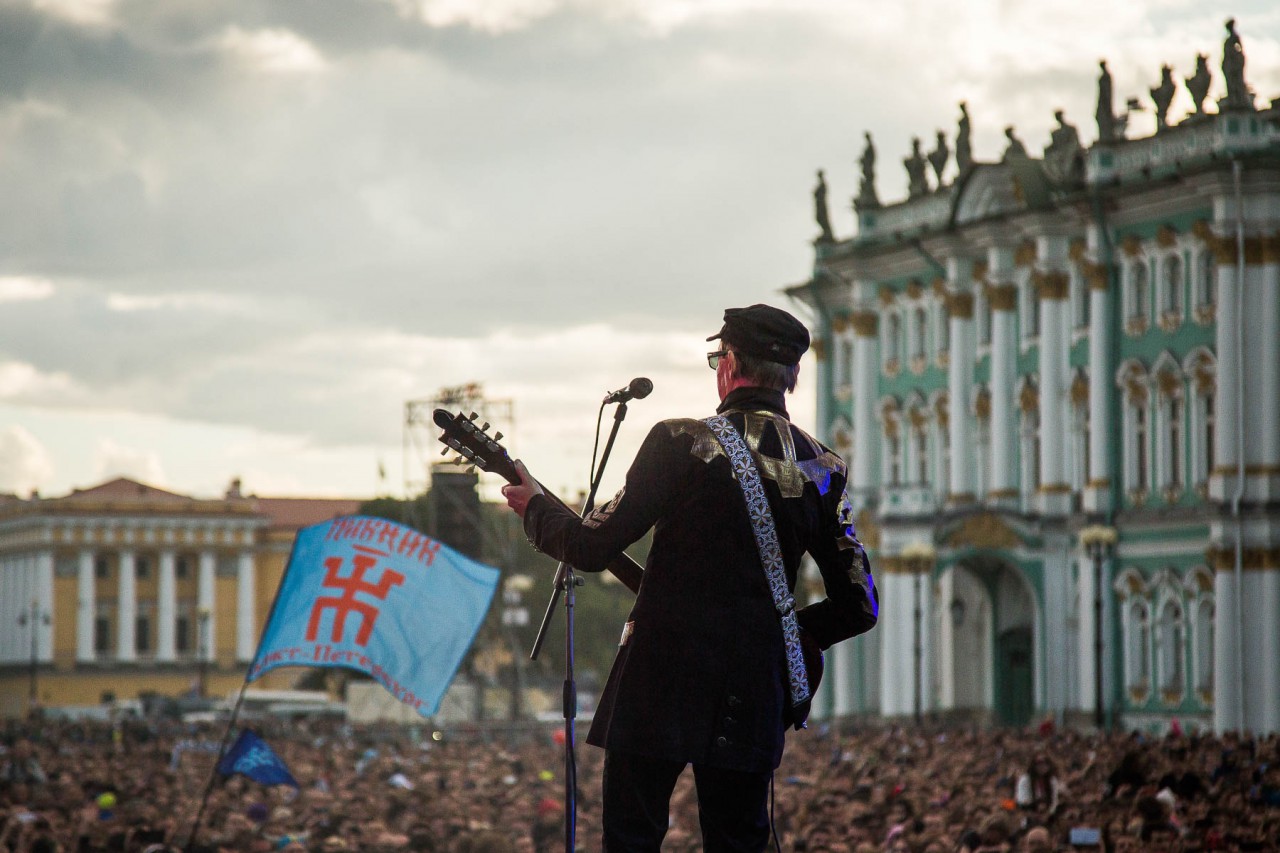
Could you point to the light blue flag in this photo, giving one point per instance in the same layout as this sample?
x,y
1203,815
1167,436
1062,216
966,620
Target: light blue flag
x,y
376,596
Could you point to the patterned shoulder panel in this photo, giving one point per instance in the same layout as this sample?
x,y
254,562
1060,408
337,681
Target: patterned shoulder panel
x,y
788,472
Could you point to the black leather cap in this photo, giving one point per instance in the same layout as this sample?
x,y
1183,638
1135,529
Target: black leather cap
x,y
764,332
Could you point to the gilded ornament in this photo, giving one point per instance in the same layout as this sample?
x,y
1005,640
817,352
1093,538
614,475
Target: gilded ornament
x,y
1028,398
1166,237
1203,230
868,530
839,323
1080,390
915,289
1052,285
982,405
980,270
1003,297
984,530
960,305
1076,251
1096,275
940,287
887,296
1025,254
1132,245
864,323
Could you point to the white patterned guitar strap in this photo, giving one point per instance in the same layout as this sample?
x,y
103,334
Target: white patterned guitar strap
x,y
744,471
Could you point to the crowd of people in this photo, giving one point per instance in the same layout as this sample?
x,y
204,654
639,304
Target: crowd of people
x,y
138,785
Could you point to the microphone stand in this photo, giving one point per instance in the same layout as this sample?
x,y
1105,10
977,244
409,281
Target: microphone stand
x,y
565,581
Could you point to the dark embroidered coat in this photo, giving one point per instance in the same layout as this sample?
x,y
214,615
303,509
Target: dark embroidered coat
x,y
701,675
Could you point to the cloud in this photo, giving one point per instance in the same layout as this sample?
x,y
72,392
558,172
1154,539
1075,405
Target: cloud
x,y
274,50
25,464
111,460
16,288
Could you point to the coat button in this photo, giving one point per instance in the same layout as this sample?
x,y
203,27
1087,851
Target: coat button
x,y
729,721
734,701
722,741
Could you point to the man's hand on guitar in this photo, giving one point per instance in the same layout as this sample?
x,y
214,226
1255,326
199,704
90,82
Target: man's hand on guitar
x,y
518,496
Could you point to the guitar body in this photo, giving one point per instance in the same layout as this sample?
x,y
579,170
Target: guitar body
x,y
474,445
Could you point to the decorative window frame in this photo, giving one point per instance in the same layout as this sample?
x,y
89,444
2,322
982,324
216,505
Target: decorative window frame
x,y
1136,281
1168,653
918,336
1133,595
1134,383
840,436
891,351
842,338
940,442
1170,289
1170,427
1029,436
1204,285
1201,369
940,319
1201,609
891,432
981,409
1081,431
917,447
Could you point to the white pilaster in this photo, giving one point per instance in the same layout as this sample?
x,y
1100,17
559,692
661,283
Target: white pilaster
x,y
127,608
960,359
1054,422
1268,362
1004,352
46,605
842,671
246,599
866,434
1262,678
1229,326
205,604
86,606
1097,496
167,609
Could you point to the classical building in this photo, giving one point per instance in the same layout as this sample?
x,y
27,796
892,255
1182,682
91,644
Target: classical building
x,y
124,589
1057,381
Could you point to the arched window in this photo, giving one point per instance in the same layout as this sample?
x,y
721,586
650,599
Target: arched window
x,y
920,434
892,341
1138,646
1171,297
1140,446
1169,645
1200,369
919,323
1138,292
891,458
1202,640
982,422
1206,280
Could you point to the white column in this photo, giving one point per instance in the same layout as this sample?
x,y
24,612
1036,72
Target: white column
x,y
896,642
1269,365
1004,422
205,603
1054,422
1097,496
1226,705
1230,324
1262,675
1085,640
842,672
86,606
866,432
246,598
127,609
167,609
46,605
959,385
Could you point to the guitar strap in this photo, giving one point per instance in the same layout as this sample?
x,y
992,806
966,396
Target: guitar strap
x,y
766,535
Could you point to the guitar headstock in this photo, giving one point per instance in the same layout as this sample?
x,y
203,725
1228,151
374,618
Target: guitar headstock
x,y
473,444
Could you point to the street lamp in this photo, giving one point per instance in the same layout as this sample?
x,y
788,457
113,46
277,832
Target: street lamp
x,y
35,618
515,615
1098,540
919,557
202,665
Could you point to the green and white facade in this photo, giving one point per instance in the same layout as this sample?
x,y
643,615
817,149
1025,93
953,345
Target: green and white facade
x,y
1005,360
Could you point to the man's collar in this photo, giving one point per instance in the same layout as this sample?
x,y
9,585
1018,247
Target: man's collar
x,y
752,399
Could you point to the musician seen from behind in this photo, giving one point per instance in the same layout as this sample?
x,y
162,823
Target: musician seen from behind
x,y
709,669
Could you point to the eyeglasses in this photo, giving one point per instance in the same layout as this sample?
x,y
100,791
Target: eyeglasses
x,y
713,358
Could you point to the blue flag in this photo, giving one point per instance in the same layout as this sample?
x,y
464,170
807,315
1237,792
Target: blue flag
x,y
373,595
251,756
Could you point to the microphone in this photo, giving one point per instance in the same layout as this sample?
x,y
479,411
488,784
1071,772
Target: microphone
x,y
637,390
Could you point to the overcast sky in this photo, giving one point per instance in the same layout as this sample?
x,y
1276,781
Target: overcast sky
x,y
236,237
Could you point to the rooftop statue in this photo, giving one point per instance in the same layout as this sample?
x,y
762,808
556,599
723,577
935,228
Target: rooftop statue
x,y
1162,96
820,209
1238,94
1064,158
964,147
1198,84
939,157
1015,149
1108,127
867,198
917,170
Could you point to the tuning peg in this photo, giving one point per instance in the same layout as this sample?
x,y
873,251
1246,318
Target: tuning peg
x,y
471,470
485,427
445,452
497,436
474,415
457,460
